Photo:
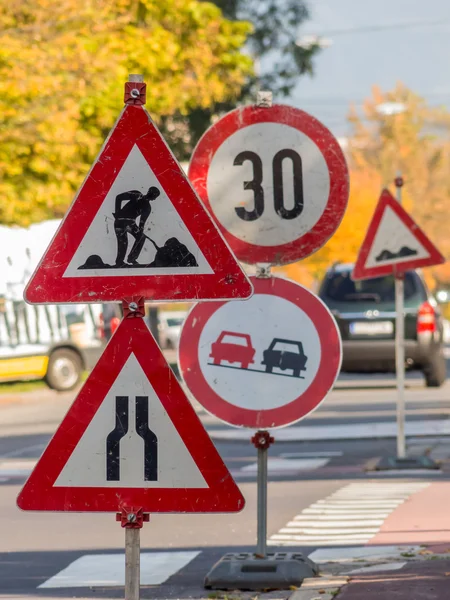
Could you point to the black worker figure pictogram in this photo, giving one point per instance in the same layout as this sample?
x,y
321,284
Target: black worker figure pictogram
x,y
130,218
131,212
150,458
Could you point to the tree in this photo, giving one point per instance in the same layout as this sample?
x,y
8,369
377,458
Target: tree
x,y
415,142
280,61
275,35
62,68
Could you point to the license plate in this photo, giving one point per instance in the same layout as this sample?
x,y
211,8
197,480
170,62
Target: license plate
x,y
375,328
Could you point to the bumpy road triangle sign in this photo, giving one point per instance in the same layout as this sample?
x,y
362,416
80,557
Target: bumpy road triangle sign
x,y
131,439
394,243
136,228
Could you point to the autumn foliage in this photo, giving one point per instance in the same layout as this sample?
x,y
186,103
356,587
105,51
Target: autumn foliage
x,y
62,68
414,142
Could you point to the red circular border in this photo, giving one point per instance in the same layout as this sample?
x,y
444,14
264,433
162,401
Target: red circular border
x,y
316,237
289,413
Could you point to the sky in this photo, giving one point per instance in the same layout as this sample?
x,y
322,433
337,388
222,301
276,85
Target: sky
x,y
374,42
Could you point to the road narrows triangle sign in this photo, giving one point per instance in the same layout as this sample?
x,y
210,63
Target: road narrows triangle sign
x,y
394,243
136,228
131,439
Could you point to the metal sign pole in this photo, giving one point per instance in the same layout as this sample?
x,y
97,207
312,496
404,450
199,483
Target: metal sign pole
x,y
400,347
261,544
132,563
262,441
132,521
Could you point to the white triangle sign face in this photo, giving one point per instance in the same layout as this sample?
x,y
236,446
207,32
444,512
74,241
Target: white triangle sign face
x,y
131,439
103,239
394,243
88,464
137,229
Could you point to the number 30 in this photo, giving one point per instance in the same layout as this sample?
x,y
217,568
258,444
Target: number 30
x,y
278,193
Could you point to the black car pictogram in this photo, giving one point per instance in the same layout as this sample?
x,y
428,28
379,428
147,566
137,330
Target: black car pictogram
x,y
277,356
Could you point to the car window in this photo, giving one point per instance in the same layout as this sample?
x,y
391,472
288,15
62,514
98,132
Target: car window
x,y
339,286
232,339
175,322
285,347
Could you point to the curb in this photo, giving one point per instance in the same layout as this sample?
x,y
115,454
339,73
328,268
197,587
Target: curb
x,y
324,587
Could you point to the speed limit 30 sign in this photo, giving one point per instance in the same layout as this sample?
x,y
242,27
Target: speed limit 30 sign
x,y
274,179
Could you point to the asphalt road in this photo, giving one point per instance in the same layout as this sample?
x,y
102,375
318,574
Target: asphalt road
x,y
36,548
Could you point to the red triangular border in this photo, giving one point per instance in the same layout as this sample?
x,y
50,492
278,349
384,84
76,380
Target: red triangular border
x,y
222,495
360,271
135,126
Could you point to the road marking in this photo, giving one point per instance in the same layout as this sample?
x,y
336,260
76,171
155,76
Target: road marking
x,y
375,568
316,540
281,465
333,522
347,516
330,454
328,532
357,553
22,451
16,468
397,472
362,501
349,431
350,509
109,569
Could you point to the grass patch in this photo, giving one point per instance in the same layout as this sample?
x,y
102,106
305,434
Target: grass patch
x,y
19,387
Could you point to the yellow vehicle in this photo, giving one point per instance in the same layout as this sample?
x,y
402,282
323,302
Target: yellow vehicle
x,y
55,343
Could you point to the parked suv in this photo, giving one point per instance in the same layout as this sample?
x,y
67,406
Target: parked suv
x,y
365,314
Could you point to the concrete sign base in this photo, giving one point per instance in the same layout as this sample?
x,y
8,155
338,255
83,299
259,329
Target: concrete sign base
x,y
247,571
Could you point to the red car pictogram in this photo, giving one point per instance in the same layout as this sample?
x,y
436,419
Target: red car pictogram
x,y
237,349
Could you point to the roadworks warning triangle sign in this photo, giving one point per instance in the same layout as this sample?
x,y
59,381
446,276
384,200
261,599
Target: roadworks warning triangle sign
x,y
394,243
136,228
131,439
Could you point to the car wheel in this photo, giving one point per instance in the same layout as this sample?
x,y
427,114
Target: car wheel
x,y
435,371
64,370
296,373
268,368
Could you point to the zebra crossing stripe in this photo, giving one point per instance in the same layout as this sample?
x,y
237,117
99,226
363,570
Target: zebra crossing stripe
x,y
107,570
333,523
352,515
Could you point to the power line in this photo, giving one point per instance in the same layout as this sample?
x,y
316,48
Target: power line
x,y
384,27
